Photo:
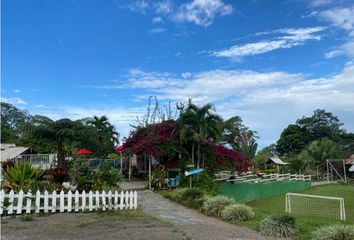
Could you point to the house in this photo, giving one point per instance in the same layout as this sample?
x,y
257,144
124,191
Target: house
x,y
9,151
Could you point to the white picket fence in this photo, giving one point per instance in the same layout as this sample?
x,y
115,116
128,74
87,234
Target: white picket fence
x,y
19,203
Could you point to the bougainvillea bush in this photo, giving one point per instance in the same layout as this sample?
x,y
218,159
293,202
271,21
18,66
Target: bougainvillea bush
x,y
162,141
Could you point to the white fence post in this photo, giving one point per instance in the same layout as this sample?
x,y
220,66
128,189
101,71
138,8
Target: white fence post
x,y
22,202
110,200
115,200
38,202
46,205
135,200
62,207
103,201
29,202
97,201
90,201
126,200
83,200
131,200
121,202
2,198
19,202
77,201
54,201
70,198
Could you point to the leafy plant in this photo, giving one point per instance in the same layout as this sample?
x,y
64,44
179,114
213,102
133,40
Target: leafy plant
x,y
56,175
191,197
237,212
22,176
106,175
203,181
213,206
281,225
158,177
335,232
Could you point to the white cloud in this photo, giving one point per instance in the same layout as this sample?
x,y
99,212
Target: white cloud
x,y
157,20
318,3
267,101
345,49
291,37
340,17
186,75
199,12
164,7
157,30
202,12
17,91
14,100
138,6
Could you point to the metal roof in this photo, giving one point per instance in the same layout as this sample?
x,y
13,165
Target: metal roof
x,y
12,152
276,160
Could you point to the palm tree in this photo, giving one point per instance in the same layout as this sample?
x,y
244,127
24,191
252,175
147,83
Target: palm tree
x,y
198,125
107,136
57,131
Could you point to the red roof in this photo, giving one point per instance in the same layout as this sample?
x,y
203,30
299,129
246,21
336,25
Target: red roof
x,y
83,151
120,148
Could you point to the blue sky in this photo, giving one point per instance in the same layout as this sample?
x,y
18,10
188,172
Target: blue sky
x,y
269,62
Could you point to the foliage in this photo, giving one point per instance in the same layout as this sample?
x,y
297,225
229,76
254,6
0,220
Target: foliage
x,y
229,158
158,140
80,173
56,175
323,149
240,137
203,181
213,206
335,232
191,197
237,212
13,121
198,124
158,177
6,164
278,225
320,125
106,135
105,176
263,156
22,176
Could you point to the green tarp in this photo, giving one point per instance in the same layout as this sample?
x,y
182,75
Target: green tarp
x,y
244,192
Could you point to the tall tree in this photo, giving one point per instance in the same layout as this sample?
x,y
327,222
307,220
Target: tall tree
x,y
13,121
200,124
240,137
107,136
60,132
320,125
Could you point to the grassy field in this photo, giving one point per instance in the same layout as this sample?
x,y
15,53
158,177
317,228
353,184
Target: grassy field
x,y
305,224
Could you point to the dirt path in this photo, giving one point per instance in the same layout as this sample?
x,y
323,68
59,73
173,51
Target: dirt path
x,y
194,224
122,225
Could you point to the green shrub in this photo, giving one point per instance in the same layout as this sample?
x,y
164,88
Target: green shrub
x,y
213,206
191,197
335,232
22,176
278,226
237,212
203,181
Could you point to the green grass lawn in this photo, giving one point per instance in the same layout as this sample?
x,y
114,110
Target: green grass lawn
x,y
305,224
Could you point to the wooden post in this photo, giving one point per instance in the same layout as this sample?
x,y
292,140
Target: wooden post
x,y
150,172
130,171
121,162
345,174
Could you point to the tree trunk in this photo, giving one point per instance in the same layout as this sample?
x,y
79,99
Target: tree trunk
x,y
61,155
198,152
193,146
